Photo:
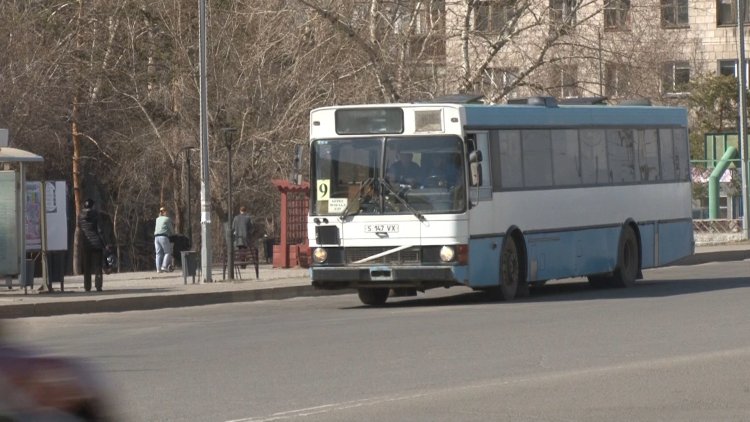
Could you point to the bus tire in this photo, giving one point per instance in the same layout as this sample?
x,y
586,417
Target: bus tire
x,y
373,296
510,270
627,260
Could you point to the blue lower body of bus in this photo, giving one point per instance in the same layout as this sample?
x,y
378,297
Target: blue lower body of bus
x,y
547,255
544,255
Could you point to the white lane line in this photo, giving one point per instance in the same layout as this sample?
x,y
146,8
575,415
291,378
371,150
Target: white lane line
x,y
666,362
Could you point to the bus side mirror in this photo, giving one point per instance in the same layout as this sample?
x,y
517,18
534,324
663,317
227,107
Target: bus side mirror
x,y
475,168
296,176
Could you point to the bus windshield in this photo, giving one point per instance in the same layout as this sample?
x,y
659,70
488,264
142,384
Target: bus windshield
x,y
392,175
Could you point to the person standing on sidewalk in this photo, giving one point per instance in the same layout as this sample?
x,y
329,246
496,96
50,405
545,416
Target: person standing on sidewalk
x,y
163,230
242,228
93,245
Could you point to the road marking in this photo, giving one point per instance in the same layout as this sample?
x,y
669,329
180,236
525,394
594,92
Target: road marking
x,y
685,360
327,408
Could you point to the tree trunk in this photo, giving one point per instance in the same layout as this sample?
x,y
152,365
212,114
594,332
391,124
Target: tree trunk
x,y
76,187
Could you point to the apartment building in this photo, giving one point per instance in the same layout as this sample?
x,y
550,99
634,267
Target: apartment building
x,y
621,49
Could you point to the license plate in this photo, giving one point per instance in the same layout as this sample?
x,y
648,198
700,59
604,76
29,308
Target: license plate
x,y
381,228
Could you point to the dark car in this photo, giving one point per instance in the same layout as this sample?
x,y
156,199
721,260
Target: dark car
x,y
44,388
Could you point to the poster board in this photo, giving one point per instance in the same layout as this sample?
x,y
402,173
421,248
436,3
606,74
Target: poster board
x,y
9,237
57,219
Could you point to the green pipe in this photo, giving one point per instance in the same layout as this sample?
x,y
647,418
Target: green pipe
x,y
713,182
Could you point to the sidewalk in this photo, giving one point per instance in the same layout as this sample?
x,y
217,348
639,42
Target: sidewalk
x,y
151,290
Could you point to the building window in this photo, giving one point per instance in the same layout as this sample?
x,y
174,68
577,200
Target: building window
x,y
510,78
616,14
429,17
615,80
426,48
570,82
726,12
675,77
497,79
729,68
674,13
565,81
492,15
563,14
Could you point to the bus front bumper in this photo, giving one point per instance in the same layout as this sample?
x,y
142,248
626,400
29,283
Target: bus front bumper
x,y
421,278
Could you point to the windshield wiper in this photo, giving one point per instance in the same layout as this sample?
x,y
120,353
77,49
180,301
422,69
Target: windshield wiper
x,y
360,195
398,197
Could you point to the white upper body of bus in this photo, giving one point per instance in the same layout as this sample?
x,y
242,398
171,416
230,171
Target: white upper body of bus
x,y
390,119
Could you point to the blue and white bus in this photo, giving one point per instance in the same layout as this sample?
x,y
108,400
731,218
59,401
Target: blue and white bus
x,y
498,197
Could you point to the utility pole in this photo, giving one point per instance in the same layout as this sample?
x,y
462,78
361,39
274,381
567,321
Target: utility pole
x,y
206,257
228,132
76,140
742,77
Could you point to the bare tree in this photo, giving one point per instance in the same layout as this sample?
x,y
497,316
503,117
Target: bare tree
x,y
125,73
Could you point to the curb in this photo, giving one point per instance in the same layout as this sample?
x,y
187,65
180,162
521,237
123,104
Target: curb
x,y
147,303
179,300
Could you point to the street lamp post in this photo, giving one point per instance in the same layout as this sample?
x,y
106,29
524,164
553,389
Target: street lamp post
x,y
206,258
742,106
228,132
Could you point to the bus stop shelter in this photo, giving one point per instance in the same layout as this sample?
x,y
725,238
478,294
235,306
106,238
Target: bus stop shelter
x,y
13,164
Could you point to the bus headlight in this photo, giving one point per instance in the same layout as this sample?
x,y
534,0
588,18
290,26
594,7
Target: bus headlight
x,y
320,255
447,253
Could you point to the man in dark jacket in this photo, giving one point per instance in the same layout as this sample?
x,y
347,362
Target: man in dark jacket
x,y
404,171
93,245
242,227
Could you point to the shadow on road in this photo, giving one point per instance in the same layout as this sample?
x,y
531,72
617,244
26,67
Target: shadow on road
x,y
718,256
581,290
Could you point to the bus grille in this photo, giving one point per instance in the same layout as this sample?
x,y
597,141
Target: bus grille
x,y
406,256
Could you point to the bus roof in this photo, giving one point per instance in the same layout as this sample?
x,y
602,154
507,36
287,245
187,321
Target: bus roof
x,y
478,116
459,117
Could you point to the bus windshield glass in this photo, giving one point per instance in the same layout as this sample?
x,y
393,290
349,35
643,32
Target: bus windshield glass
x,y
392,175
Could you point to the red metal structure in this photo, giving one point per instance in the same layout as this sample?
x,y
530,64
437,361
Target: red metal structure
x,y
292,250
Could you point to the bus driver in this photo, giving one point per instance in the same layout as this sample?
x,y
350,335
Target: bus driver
x,y
404,171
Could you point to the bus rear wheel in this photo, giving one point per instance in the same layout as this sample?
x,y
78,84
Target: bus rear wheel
x,y
627,261
373,296
510,271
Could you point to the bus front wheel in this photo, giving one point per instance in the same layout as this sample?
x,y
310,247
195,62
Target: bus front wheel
x,y
373,296
510,272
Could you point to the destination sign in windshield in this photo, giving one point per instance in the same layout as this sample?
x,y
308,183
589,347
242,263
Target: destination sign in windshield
x,y
365,121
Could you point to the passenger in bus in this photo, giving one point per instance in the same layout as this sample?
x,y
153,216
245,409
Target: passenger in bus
x,y
404,171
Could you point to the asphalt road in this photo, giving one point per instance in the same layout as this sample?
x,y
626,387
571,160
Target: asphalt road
x,y
675,347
